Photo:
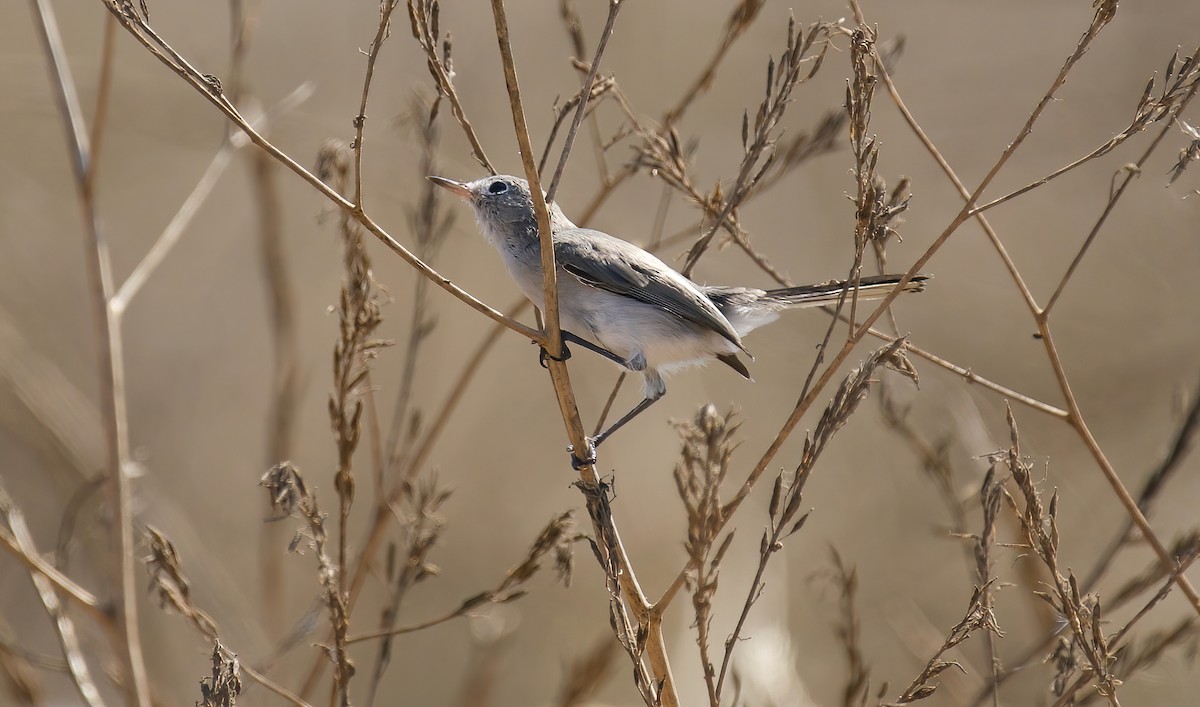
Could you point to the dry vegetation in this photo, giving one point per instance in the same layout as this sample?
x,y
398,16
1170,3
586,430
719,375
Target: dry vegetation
x,y
380,523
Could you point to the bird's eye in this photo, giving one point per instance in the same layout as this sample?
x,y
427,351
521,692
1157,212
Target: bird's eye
x,y
497,187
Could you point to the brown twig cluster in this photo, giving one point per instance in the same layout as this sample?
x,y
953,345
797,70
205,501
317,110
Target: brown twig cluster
x,y
290,497
1081,613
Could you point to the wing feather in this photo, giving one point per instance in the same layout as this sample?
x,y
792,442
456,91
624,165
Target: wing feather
x,y
607,263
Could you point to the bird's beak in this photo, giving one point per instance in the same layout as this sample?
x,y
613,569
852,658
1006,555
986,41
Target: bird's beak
x,y
458,188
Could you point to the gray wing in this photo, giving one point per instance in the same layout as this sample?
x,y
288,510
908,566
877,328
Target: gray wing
x,y
607,263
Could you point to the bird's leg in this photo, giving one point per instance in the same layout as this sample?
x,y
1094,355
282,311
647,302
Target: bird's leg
x,y
575,339
637,410
655,388
652,396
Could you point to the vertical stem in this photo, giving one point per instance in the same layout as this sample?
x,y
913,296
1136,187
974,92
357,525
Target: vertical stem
x,y
112,372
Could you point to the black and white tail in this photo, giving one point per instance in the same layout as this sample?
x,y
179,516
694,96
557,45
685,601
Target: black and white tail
x,y
748,309
874,287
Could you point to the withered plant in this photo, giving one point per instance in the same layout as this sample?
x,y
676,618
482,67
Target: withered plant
x,y
391,511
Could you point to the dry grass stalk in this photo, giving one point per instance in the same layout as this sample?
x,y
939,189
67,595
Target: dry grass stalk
x,y
424,17
602,87
787,496
1178,80
631,631
555,539
708,444
639,627
64,626
358,318
1185,632
223,685
740,19
358,312
1081,613
110,361
1104,13
173,589
661,152
979,617
877,212
1188,154
290,497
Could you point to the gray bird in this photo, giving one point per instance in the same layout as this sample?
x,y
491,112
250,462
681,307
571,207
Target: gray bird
x,y
627,305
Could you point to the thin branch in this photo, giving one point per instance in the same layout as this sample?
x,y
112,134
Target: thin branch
x,y
103,96
558,370
111,365
423,15
1104,13
614,7
385,18
806,401
187,210
1116,194
208,86
48,592
1150,110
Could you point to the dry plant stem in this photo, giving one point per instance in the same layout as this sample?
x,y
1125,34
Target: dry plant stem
x,y
742,18
103,94
739,21
784,516
47,591
1154,484
423,32
585,95
34,562
1141,121
112,374
1081,614
285,383
172,587
966,373
558,370
1116,195
411,628
1131,507
1102,17
385,17
1119,637
552,334
162,51
183,217
807,400
958,184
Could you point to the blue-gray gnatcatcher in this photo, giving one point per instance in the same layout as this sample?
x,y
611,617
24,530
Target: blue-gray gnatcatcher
x,y
627,305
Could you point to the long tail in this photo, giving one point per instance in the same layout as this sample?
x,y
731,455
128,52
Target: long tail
x,y
873,287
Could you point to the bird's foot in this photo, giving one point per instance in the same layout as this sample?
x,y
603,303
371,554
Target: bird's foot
x,y
576,462
544,355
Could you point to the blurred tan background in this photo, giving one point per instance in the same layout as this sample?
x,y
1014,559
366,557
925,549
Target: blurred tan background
x,y
198,349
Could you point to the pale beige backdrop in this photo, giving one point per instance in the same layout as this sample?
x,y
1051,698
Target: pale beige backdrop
x,y
199,354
